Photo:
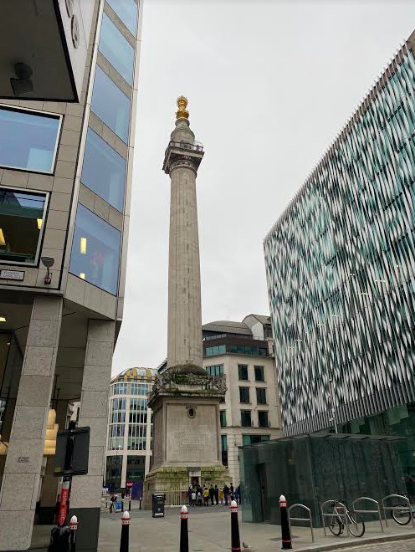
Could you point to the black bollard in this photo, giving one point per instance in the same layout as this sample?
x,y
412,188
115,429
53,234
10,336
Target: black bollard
x,y
125,532
73,524
235,540
184,535
285,526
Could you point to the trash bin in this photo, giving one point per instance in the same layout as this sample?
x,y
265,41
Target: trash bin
x,y
158,505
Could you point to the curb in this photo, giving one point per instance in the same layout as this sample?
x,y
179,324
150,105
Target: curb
x,y
350,543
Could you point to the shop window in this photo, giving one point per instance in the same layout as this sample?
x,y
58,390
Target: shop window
x,y
22,216
28,140
95,251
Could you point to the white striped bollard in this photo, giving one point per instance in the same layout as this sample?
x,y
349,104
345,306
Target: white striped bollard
x,y
184,535
235,540
125,532
73,524
285,526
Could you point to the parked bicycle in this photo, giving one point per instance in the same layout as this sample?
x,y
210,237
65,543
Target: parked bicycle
x,y
401,513
342,516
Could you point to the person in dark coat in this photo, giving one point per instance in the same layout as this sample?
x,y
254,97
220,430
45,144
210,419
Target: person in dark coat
x,y
226,494
216,494
211,494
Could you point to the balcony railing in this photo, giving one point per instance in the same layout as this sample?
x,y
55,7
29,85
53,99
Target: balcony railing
x,y
197,146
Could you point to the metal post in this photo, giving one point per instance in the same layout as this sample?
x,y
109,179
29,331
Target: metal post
x,y
73,524
125,532
63,506
235,540
184,535
285,526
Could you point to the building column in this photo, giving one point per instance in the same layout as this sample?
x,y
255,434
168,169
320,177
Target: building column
x,y
123,482
86,492
24,458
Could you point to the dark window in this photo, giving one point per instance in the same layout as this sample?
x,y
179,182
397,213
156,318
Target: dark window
x,y
223,418
21,225
215,370
28,140
244,394
259,373
224,447
251,439
218,350
246,418
104,171
261,395
263,418
243,372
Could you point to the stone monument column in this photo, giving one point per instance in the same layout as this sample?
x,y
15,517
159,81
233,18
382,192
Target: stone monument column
x,y
182,159
185,399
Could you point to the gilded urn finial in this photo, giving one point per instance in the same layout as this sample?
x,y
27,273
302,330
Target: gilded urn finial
x,y
182,112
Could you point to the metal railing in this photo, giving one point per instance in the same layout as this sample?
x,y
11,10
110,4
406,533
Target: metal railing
x,y
307,519
405,499
185,145
366,511
342,515
176,497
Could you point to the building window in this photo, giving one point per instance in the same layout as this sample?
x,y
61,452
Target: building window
x,y
218,350
139,388
259,373
261,395
224,449
28,140
104,171
243,372
137,429
111,105
119,389
216,370
263,418
244,395
223,418
22,215
127,11
117,424
246,418
95,251
114,46
252,350
251,439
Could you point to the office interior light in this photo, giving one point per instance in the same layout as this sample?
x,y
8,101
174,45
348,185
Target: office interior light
x,y
2,240
3,319
82,246
82,275
52,429
39,224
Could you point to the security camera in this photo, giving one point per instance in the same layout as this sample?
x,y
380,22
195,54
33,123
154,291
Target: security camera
x,y
22,84
48,262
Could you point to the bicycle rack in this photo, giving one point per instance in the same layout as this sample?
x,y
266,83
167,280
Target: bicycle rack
x,y
308,519
392,508
372,501
342,516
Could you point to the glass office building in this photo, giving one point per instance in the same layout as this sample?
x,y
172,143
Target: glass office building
x,y
65,191
340,265
129,430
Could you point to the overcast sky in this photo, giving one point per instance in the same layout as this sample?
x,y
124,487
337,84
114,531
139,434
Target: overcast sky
x,y
269,83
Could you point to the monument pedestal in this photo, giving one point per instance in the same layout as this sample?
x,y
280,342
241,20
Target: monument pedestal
x,y
186,426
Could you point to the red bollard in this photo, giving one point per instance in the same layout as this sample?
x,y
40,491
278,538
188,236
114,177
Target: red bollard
x,y
73,524
125,532
285,526
235,540
184,535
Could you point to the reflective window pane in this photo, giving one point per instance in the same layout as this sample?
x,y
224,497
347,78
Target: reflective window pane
x,y
104,170
127,11
21,222
116,49
28,140
95,251
111,105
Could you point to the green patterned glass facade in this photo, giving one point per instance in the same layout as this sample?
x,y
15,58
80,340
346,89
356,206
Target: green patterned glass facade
x,y
340,266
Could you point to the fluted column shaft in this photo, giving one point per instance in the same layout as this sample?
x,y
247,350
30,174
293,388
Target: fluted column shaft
x,y
184,305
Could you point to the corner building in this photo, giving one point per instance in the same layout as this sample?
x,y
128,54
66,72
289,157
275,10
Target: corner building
x,y
65,185
340,266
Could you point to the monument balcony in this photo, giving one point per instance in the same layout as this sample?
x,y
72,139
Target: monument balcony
x,y
196,147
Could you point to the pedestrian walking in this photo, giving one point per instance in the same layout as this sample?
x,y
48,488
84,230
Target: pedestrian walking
x,y
193,497
226,494
216,495
199,496
221,496
205,496
189,495
211,494
112,502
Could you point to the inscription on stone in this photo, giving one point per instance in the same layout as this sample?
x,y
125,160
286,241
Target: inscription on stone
x,y
23,459
12,275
